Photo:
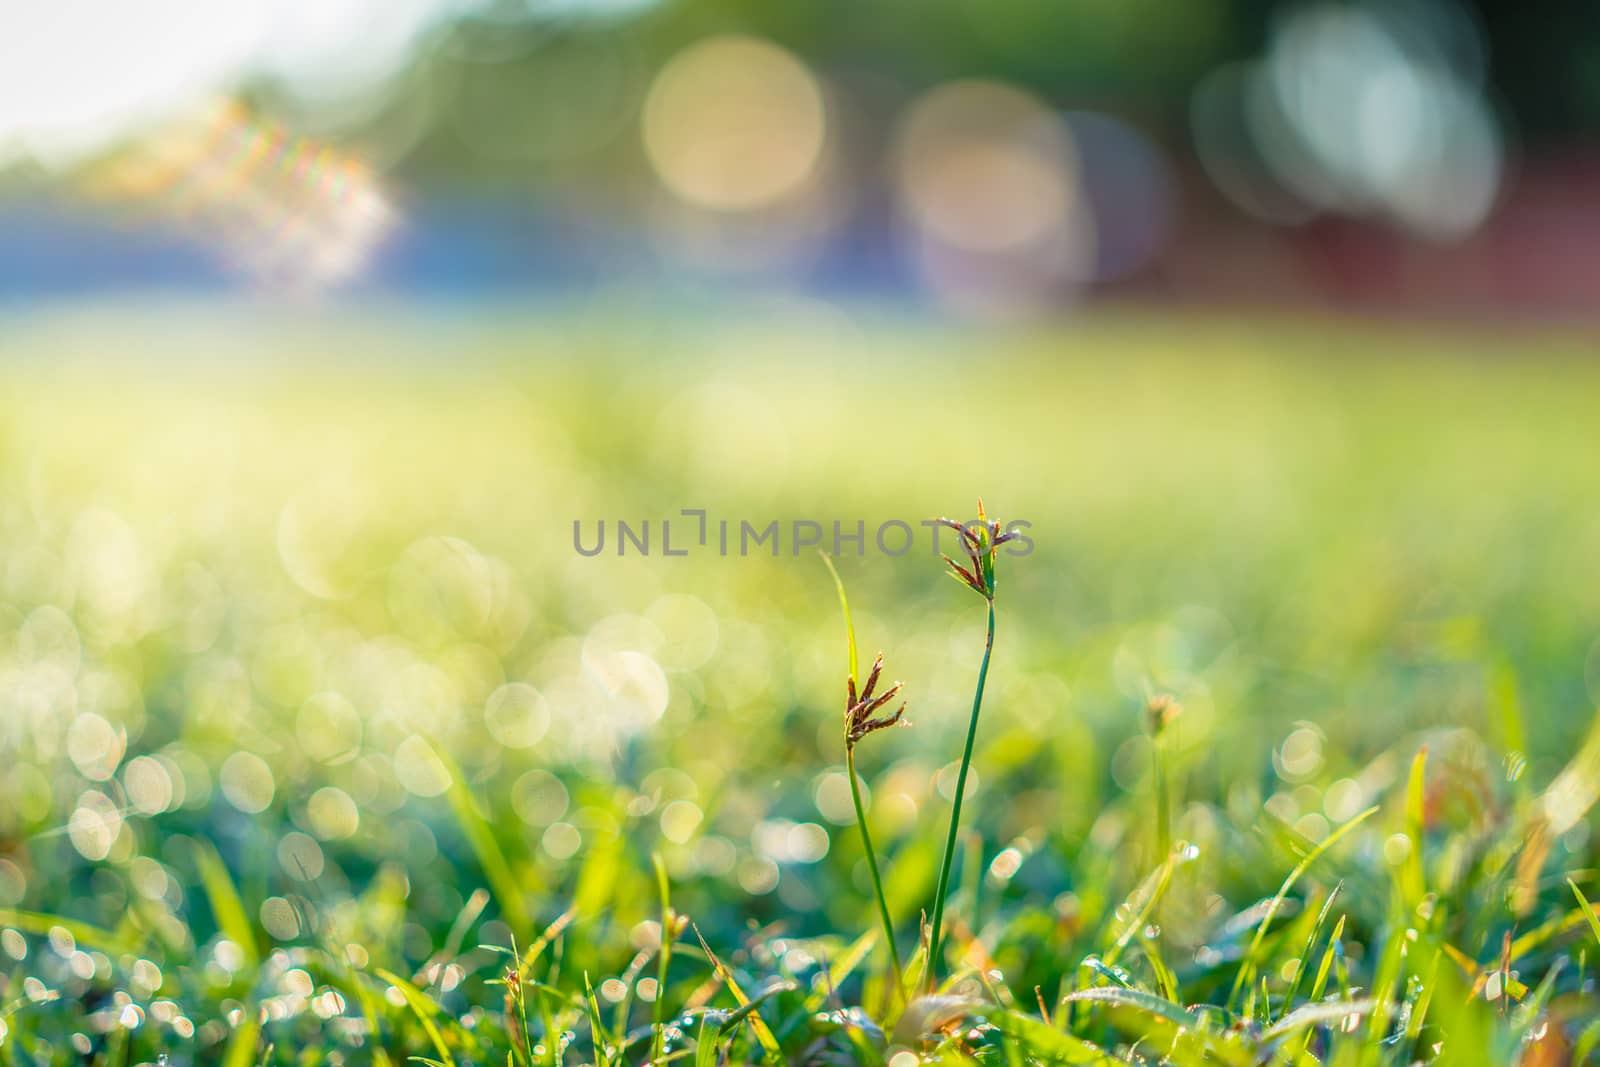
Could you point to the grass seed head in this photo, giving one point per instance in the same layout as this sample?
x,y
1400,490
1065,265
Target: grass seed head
x,y
981,540
859,709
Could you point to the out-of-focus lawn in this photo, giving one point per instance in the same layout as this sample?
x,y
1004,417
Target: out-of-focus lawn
x,y
1342,524
279,586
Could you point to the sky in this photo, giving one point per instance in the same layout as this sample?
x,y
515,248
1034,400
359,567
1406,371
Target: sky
x,y
77,76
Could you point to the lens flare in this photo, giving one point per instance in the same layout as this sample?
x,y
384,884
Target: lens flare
x,y
288,210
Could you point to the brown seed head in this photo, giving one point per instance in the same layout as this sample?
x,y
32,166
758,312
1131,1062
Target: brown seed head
x,y
980,540
859,709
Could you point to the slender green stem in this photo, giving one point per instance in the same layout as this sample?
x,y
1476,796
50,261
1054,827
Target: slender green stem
x,y
872,866
955,809
1163,799
663,962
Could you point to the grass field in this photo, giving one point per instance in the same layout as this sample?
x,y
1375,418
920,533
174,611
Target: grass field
x,y
321,744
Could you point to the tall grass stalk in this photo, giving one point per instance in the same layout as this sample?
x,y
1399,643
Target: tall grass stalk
x,y
663,960
859,723
872,868
955,807
981,541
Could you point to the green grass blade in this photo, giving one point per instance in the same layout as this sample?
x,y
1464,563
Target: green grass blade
x,y
508,891
1587,909
841,967
748,1008
40,924
531,954
1304,962
1588,1041
1505,704
597,882
1180,1034
1384,983
226,906
1166,981
1412,880
1419,1009
242,1047
706,1043
844,605
1309,1016
1110,972
763,1032
1247,964
1320,983
423,1008
663,958
597,1026
1038,1040
1135,998
1141,902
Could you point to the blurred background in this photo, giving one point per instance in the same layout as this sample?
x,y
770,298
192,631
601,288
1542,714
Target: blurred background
x,y
1004,157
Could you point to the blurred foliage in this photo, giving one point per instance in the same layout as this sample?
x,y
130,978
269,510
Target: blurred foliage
x,y
574,80
570,69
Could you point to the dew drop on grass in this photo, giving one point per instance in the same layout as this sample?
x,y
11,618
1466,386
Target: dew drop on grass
x,y
1516,763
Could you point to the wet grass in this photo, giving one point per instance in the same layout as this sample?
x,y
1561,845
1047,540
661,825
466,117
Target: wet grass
x,y
322,744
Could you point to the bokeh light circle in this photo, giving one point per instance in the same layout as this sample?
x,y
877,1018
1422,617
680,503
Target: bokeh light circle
x,y
985,167
734,123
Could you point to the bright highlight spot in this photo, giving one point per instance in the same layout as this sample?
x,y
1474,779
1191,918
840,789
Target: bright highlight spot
x,y
734,123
